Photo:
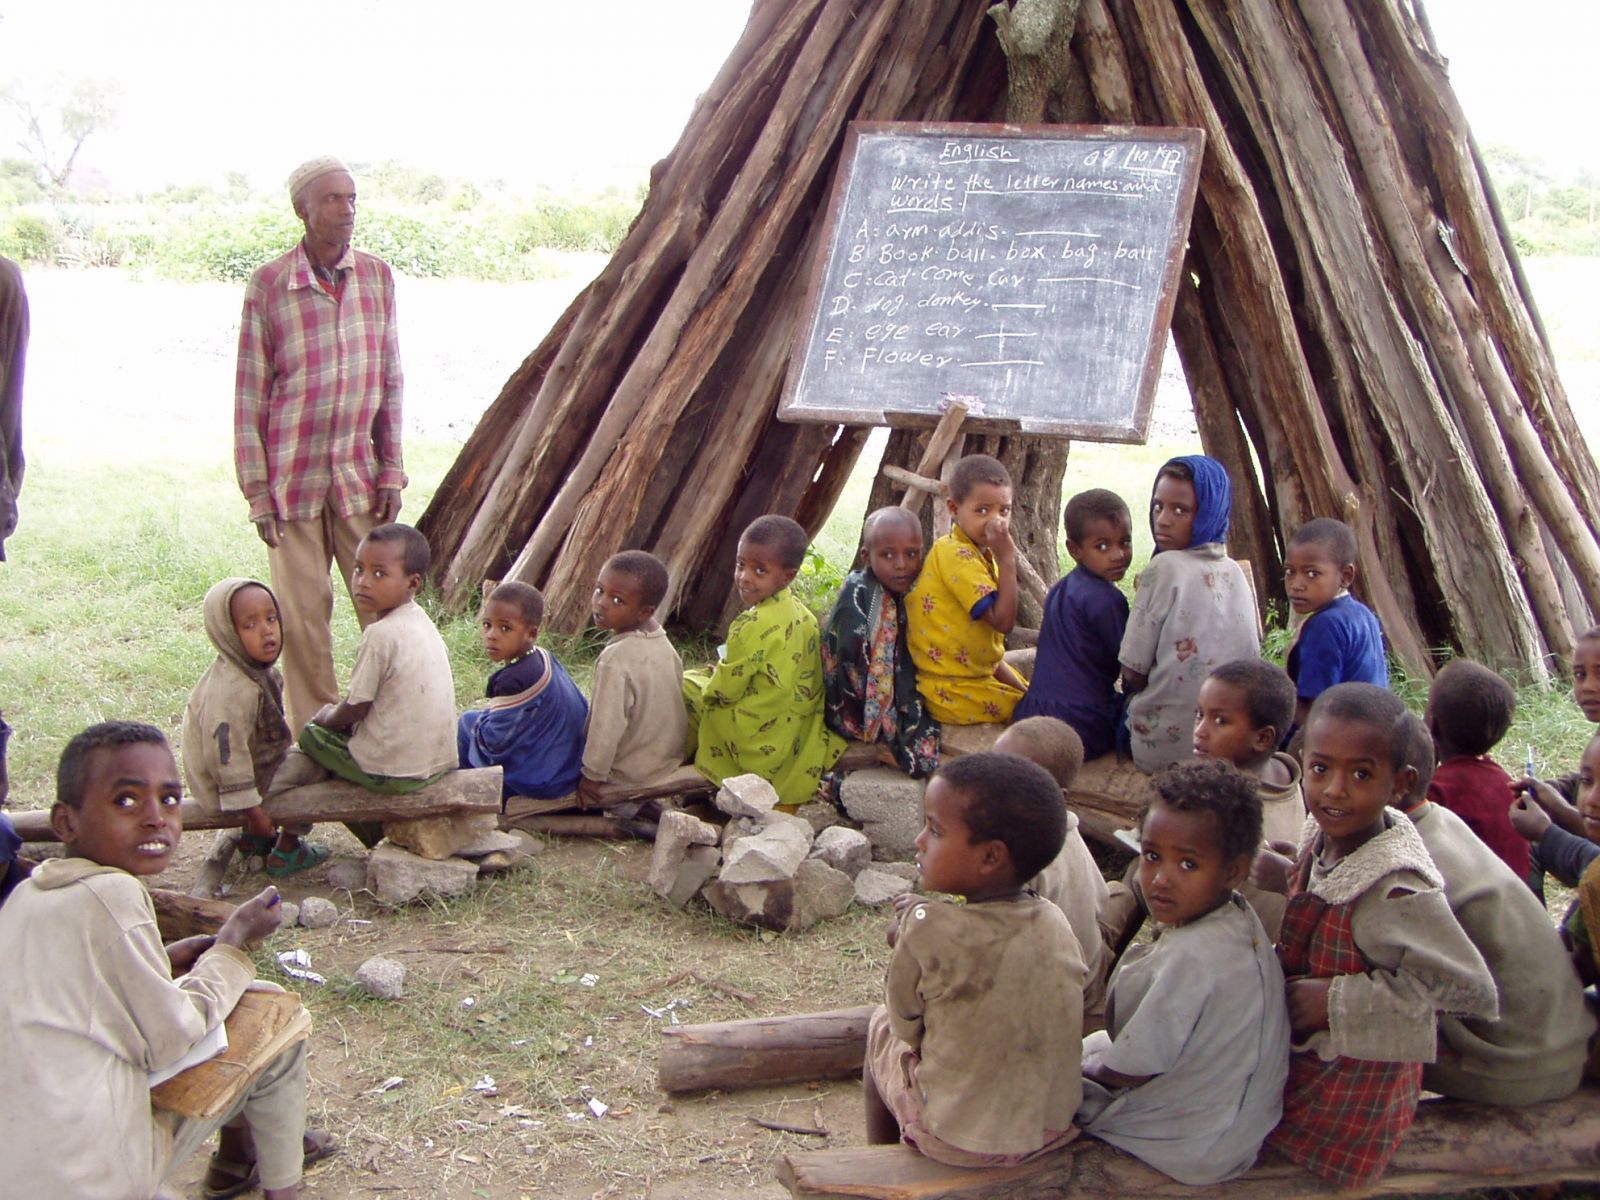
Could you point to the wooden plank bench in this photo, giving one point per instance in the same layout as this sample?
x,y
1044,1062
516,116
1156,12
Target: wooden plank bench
x,y
1453,1147
474,790
1107,795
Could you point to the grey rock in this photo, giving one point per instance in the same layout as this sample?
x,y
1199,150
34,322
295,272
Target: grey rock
x,y
502,860
528,843
820,815
888,805
746,796
348,874
316,912
676,832
382,977
440,837
492,842
875,888
768,905
901,870
397,876
843,849
291,914
820,893
772,852
699,865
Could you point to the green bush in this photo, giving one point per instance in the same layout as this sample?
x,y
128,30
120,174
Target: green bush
x,y
31,237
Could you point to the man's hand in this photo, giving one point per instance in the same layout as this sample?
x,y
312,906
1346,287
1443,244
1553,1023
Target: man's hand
x,y
269,529
1308,1005
387,507
253,921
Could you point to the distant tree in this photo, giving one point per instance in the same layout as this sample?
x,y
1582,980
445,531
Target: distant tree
x,y
57,120
1518,177
19,182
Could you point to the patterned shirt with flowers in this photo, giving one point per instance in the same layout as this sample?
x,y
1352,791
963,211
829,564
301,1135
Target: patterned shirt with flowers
x,y
955,650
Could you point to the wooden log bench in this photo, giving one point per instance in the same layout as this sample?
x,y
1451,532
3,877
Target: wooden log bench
x,y
1107,795
474,790
1453,1147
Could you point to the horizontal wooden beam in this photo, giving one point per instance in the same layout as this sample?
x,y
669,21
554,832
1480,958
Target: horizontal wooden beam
x,y
475,790
768,1050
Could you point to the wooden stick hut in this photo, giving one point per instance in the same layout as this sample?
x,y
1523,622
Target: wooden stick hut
x,y
1356,332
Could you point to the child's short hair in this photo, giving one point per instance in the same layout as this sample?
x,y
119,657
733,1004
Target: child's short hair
x,y
644,568
887,518
782,534
1471,706
1051,743
974,469
73,770
1210,785
415,554
524,597
1366,704
1269,693
1419,757
1011,800
1337,538
1096,504
1590,635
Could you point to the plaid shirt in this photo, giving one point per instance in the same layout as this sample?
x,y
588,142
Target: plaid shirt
x,y
316,418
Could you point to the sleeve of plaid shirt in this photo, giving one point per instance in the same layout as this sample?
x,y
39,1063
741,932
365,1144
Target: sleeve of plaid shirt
x,y
388,423
251,389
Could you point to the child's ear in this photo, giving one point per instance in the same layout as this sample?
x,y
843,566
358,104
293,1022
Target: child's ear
x,y
1404,780
994,858
645,613
414,583
1075,550
788,575
950,503
64,822
1347,575
1237,871
1265,739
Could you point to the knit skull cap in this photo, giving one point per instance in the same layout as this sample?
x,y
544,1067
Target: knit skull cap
x,y
316,168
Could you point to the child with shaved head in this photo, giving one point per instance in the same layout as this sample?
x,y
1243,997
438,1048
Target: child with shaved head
x,y
869,680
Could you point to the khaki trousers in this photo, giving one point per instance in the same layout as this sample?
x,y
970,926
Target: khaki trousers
x,y
275,1106
300,563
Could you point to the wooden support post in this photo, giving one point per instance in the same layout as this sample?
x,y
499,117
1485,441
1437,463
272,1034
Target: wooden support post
x,y
946,436
475,790
732,1054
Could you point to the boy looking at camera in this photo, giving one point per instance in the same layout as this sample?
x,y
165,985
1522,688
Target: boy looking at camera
x,y
974,1058
637,722
93,1006
1340,640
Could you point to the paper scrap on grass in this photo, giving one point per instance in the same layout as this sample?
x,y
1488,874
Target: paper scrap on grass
x,y
297,965
388,1085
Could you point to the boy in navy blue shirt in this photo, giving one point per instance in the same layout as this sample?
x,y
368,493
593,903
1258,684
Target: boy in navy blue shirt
x,y
1340,640
1084,619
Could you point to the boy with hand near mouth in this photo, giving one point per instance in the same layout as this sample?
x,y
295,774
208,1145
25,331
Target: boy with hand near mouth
x,y
637,722
235,734
94,1009
1340,640
869,680
392,731
532,727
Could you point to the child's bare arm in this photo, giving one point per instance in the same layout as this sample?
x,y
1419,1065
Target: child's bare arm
x,y
1095,1069
1133,681
253,921
1271,871
343,715
1555,805
1308,1005
183,952
1002,614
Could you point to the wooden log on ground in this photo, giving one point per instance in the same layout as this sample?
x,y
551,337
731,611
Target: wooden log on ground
x,y
1452,1148
576,825
1107,796
474,790
768,1050
180,916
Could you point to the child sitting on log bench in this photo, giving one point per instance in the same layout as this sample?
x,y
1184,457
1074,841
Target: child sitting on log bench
x,y
235,733
1340,640
637,722
974,1060
1189,1076
760,709
93,1007
869,679
532,727
965,602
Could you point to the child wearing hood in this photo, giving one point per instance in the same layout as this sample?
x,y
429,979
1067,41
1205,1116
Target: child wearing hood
x,y
235,734
1192,611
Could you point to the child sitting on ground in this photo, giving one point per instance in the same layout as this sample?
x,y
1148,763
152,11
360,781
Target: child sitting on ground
x,y
1340,640
532,727
1072,881
1369,947
760,710
1536,1049
1192,609
392,731
974,1058
13,870
868,678
637,723
235,734
93,1009
965,602
1189,1076
1469,710
1085,616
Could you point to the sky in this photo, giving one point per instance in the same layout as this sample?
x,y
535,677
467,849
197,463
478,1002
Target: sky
x,y
566,95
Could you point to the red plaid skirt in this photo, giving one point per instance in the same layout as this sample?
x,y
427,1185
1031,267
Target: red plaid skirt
x,y
1341,1119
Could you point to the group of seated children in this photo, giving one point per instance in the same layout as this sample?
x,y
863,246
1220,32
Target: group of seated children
x,y
1409,956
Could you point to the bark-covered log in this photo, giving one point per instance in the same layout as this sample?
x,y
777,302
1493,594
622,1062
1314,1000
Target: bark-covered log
x,y
765,1051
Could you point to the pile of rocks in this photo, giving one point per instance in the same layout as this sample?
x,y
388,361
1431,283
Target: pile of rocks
x,y
442,856
768,868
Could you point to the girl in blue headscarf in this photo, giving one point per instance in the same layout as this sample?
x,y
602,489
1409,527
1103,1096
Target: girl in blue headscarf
x,y
1192,611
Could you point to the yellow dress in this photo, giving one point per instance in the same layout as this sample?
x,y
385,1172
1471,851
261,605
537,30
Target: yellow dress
x,y
956,654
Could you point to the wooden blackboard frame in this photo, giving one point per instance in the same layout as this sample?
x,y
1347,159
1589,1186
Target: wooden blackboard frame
x,y
791,406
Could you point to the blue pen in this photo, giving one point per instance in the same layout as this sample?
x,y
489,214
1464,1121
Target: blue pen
x,y
1530,760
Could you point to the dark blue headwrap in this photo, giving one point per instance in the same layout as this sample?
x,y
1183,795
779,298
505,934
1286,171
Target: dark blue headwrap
x,y
1213,497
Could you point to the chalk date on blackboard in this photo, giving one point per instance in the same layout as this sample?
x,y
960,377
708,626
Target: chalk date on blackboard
x,y
1028,270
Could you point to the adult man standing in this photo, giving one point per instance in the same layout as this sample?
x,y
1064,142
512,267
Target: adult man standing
x,y
317,419
13,355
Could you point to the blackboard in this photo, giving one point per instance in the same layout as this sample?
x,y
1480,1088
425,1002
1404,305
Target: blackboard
x,y
1028,271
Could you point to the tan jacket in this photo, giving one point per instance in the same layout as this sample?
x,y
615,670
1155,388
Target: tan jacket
x,y
91,1009
637,721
